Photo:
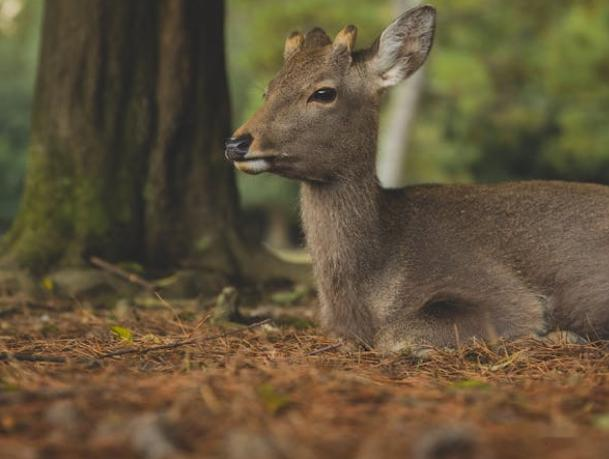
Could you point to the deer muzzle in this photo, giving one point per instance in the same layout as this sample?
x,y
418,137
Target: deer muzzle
x,y
235,148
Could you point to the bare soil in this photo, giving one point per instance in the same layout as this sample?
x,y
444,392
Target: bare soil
x,y
280,391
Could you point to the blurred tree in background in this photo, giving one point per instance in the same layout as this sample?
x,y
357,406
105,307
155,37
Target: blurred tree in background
x,y
516,90
513,89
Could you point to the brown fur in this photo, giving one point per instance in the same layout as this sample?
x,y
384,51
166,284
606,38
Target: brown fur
x,y
425,264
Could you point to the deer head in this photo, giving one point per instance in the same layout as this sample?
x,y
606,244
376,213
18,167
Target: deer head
x,y
319,119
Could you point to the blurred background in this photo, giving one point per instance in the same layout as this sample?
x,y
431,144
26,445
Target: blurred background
x,y
512,90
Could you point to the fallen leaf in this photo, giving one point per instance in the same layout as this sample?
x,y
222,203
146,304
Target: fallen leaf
x,y
48,284
273,400
123,333
471,384
602,421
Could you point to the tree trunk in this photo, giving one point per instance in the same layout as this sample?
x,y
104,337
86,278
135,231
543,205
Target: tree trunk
x,y
191,197
126,161
393,144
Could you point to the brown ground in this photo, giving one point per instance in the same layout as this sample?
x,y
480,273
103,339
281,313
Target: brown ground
x,y
259,394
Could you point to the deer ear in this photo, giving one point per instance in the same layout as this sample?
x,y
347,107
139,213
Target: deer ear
x,y
403,47
293,44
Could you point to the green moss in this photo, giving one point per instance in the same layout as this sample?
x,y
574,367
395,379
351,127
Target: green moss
x,y
42,229
299,323
64,215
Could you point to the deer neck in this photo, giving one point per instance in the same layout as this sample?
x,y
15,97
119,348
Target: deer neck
x,y
343,228
341,217
341,220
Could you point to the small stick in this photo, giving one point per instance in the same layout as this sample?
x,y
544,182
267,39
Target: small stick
x,y
24,357
29,396
176,344
15,304
4,356
327,348
137,280
9,310
120,272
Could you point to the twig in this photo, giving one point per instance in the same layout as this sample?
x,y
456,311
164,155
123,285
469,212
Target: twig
x,y
120,272
176,344
327,348
20,304
30,396
13,299
169,306
24,357
21,356
137,280
9,310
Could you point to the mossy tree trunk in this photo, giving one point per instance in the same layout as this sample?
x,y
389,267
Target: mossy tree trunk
x,y
126,161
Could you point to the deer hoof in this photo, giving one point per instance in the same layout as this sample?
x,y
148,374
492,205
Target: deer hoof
x,y
563,337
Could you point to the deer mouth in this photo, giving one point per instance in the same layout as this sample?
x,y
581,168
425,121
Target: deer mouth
x,y
254,165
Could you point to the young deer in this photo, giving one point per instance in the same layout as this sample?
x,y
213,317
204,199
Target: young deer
x,y
436,264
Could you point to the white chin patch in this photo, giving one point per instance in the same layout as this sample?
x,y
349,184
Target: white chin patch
x,y
253,166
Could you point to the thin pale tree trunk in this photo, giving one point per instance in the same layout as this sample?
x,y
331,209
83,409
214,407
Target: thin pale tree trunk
x,y
396,134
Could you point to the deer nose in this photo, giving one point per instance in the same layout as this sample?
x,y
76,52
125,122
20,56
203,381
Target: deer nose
x,y
237,147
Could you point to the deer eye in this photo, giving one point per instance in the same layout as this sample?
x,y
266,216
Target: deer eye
x,y
323,95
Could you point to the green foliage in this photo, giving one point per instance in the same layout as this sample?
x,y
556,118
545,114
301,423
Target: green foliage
x,y
18,53
516,90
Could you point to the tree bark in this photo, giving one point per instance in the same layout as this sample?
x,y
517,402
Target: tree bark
x,y
191,199
126,158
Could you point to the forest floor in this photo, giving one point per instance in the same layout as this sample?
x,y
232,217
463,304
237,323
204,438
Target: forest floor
x,y
181,387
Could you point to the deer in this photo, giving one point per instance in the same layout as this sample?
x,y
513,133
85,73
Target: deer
x,y
432,265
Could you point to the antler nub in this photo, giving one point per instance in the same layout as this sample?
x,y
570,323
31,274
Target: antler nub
x,y
316,38
346,37
293,44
